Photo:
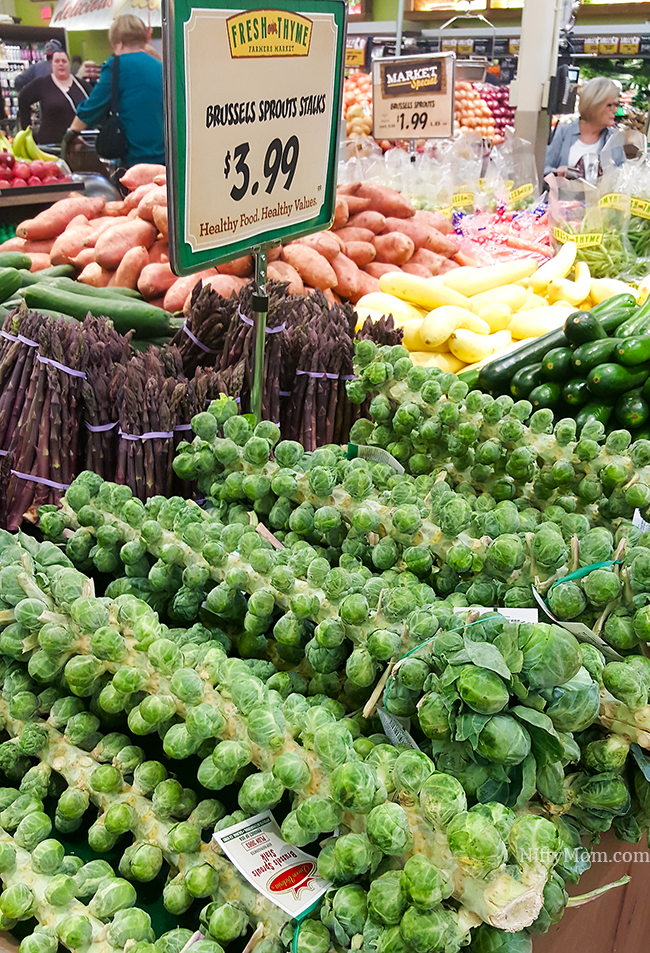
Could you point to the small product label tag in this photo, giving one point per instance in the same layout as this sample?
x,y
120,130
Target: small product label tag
x,y
616,200
523,192
638,520
396,733
284,874
586,240
640,208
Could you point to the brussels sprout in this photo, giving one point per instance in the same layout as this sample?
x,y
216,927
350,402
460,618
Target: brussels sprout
x,y
487,939
173,941
441,798
60,890
133,924
423,932
202,880
146,862
566,600
625,684
42,940
476,844
387,899
260,792
75,932
411,770
503,741
387,827
354,855
32,830
88,878
574,705
47,856
484,691
355,787
551,655
318,814
423,883
606,754
313,937
228,921
533,841
17,902
601,586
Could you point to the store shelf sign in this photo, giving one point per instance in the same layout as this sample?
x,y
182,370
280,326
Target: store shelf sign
x,y
413,96
252,105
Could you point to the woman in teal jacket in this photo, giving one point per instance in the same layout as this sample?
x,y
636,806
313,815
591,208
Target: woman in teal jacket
x,y
140,101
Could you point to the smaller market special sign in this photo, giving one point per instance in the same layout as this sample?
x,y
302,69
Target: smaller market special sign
x,y
252,101
413,97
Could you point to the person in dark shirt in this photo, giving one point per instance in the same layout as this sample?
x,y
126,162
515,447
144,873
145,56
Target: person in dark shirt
x,y
42,68
140,94
59,95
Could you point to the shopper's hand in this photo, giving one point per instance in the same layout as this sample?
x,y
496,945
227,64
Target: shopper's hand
x,y
72,142
561,170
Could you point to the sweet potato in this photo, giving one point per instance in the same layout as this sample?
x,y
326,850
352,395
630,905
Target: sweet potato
x,y
85,256
422,235
21,244
355,234
347,276
394,249
238,267
160,219
283,271
378,268
115,208
274,254
349,188
312,267
77,220
357,204
225,285
176,294
53,220
128,270
448,265
113,244
374,221
68,245
142,173
385,200
155,279
434,220
337,238
101,225
341,212
39,261
322,242
133,199
156,197
414,269
159,251
428,259
93,274
367,284
361,253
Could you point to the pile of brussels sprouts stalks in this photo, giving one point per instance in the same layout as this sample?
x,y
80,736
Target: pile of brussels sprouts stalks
x,y
260,634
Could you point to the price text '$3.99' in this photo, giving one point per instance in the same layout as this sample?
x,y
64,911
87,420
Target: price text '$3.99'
x,y
280,159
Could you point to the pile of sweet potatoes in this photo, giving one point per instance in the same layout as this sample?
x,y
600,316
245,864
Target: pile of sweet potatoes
x,y
124,243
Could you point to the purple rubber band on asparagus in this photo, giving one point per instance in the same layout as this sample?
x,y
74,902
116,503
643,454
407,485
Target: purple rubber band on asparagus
x,y
9,337
27,341
250,323
33,479
195,340
150,435
61,367
101,428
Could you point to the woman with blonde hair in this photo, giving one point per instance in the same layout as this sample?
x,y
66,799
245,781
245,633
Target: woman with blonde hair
x,y
140,94
598,105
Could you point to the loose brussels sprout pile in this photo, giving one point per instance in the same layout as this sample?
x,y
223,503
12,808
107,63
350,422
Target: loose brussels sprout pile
x,y
254,633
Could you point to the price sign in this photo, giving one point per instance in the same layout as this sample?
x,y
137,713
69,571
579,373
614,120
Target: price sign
x,y
252,105
413,97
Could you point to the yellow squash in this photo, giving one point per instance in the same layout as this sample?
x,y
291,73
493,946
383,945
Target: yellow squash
x,y
470,347
389,304
557,267
425,292
478,280
514,296
441,322
538,321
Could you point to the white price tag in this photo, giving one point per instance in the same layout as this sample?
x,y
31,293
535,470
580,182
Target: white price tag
x,y
284,874
638,520
413,97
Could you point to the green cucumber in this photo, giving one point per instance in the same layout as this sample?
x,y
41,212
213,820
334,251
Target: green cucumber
x,y
611,380
632,410
88,291
495,377
470,378
556,364
592,353
127,314
582,326
594,410
27,278
57,271
612,305
575,392
547,394
9,283
525,380
633,350
15,259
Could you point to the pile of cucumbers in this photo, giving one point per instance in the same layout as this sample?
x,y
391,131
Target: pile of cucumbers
x,y
597,367
54,292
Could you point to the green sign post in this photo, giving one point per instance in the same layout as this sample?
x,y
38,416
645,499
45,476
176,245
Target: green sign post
x,y
253,97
